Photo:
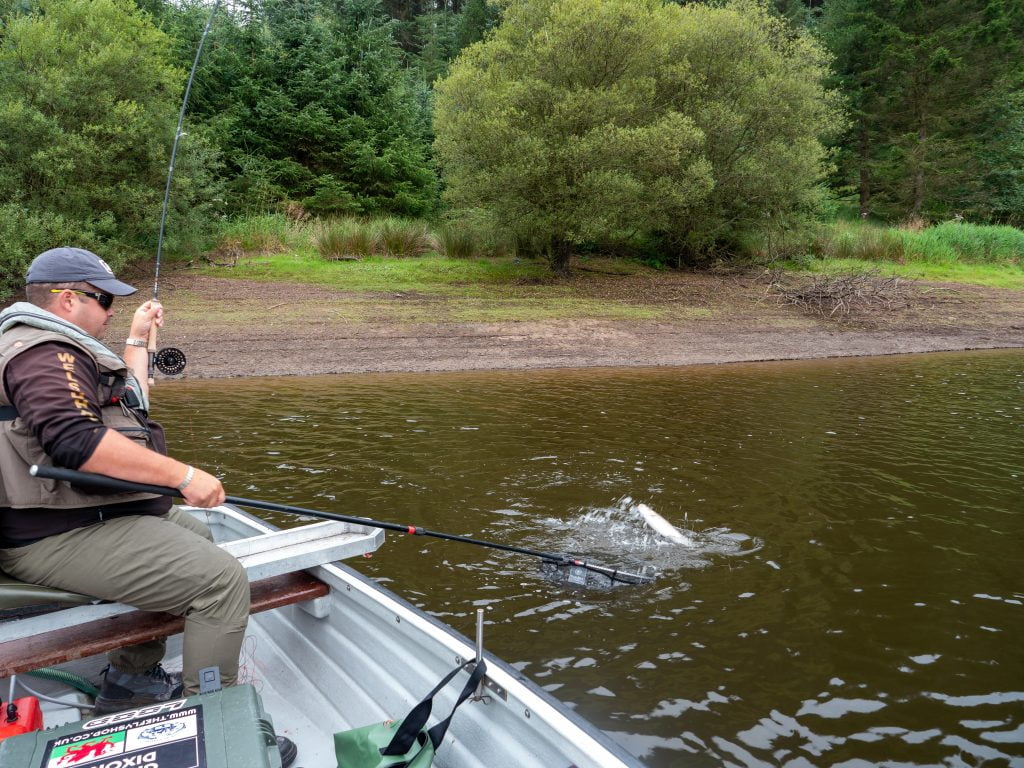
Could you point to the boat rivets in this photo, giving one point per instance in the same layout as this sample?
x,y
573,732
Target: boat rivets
x,y
398,619
527,713
458,659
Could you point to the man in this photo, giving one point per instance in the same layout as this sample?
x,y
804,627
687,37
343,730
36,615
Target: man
x,y
68,400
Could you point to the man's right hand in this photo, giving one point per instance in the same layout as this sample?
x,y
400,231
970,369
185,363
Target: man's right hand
x,y
204,490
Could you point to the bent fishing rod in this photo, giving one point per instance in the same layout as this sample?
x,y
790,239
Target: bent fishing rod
x,y
170,360
572,567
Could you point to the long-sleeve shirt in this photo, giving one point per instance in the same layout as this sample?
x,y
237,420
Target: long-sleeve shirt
x,y
58,399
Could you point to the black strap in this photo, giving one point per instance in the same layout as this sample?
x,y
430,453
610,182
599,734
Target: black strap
x,y
8,413
417,718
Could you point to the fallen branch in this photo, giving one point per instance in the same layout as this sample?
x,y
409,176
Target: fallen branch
x,y
831,295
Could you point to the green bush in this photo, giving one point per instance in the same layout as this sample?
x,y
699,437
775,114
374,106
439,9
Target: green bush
x,y
690,122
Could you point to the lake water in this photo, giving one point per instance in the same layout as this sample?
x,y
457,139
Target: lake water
x,y
855,595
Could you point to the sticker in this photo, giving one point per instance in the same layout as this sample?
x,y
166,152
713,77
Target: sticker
x,y
156,737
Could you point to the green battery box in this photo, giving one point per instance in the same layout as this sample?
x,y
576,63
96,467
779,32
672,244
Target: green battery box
x,y
224,729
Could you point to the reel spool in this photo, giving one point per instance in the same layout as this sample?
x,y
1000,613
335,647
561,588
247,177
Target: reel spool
x,y
170,361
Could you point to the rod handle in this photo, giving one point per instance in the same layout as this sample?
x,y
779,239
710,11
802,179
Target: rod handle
x,y
151,348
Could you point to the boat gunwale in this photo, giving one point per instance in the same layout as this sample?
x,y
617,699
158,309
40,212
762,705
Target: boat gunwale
x,y
381,594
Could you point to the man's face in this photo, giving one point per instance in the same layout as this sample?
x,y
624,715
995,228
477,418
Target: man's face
x,y
88,314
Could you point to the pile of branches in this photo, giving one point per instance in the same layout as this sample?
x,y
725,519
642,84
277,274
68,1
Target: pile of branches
x,y
831,295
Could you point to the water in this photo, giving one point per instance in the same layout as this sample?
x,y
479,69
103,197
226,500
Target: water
x,y
855,595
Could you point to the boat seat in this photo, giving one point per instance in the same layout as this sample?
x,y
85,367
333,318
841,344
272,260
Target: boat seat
x,y
41,626
77,641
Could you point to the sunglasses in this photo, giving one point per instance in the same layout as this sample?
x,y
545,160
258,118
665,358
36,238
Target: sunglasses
x,y
105,300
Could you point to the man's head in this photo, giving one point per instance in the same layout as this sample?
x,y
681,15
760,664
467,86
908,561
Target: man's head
x,y
77,285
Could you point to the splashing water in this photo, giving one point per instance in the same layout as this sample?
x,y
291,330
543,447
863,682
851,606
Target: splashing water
x,y
622,530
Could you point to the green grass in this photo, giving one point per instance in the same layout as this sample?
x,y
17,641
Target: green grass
x,y
427,274
272,233
946,243
991,275
948,252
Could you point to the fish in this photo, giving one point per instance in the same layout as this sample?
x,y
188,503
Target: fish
x,y
663,526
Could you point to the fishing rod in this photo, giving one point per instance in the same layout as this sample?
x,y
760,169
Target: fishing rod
x,y
171,361
570,568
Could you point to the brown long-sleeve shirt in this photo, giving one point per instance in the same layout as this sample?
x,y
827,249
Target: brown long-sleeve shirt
x,y
63,411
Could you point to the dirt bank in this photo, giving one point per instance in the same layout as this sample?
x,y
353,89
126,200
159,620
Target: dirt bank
x,y
229,327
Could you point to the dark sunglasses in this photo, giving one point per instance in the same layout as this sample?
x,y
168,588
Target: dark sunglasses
x,y
105,300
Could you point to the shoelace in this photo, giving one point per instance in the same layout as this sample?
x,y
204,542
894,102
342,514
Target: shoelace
x,y
159,673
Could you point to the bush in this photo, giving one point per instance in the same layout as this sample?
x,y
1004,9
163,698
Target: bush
x,y
689,122
24,234
88,105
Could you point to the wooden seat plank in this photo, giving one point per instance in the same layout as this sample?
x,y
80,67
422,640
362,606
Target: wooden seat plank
x,y
76,642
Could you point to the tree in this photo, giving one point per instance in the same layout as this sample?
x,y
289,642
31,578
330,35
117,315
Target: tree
x,y
310,102
689,123
88,103
933,86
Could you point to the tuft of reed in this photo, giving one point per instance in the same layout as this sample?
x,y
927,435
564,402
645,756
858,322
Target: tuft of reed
x,y
945,243
457,242
270,233
344,239
400,238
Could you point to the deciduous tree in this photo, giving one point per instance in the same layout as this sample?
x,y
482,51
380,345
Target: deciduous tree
x,y
582,120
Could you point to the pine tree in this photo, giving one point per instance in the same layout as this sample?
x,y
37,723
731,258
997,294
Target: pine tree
x,y
928,85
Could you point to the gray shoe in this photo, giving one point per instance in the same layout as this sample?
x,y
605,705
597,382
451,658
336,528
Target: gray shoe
x,y
122,690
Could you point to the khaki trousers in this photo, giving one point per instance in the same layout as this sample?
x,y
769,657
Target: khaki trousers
x,y
166,563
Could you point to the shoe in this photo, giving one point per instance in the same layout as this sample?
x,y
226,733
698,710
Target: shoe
x,y
288,751
122,690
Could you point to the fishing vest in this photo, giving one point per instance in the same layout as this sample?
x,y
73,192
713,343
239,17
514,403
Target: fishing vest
x,y
122,408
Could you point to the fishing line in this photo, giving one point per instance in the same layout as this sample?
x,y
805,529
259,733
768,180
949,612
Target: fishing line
x,y
564,567
171,361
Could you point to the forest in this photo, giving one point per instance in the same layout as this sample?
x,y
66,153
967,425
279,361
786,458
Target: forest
x,y
678,133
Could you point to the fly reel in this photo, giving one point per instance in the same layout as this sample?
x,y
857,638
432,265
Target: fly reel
x,y
170,361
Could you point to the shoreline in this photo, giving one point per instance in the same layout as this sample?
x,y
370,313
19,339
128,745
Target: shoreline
x,y
495,347
232,328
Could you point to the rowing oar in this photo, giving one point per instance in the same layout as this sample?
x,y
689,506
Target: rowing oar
x,y
572,569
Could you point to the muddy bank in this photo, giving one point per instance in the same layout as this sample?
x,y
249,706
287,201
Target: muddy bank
x,y
229,327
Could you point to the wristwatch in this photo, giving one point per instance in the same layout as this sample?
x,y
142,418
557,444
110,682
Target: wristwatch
x,y
135,342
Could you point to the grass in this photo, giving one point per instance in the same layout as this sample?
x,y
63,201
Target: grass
x,y
464,265
946,243
991,275
952,251
272,233
427,274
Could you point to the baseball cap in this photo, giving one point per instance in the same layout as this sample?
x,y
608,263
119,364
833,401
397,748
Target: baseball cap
x,y
72,265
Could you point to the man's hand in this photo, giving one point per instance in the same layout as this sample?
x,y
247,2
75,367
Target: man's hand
x,y
149,314
204,490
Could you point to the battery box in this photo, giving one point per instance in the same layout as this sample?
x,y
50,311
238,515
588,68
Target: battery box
x,y
224,729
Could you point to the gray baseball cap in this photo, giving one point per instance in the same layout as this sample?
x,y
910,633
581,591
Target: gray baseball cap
x,y
72,265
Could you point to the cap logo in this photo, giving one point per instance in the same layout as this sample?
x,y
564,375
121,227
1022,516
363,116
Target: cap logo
x,y
104,265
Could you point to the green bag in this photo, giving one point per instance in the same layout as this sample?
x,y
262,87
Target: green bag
x,y
405,743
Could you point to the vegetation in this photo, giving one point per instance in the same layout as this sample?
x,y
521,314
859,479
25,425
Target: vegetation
x,y
691,124
88,99
935,96
453,130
